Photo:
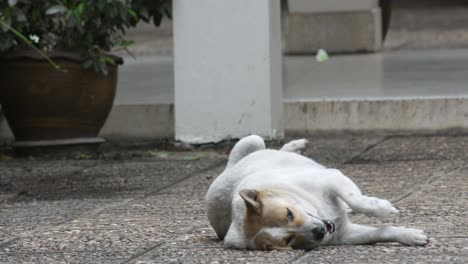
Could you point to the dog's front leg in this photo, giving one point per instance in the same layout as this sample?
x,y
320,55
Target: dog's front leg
x,y
353,234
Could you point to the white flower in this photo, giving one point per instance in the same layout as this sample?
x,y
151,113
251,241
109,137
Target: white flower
x,y
34,38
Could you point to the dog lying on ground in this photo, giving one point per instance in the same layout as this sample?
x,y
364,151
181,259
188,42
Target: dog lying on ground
x,y
277,200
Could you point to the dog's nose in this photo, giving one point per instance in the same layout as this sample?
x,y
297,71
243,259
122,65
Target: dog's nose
x,y
319,232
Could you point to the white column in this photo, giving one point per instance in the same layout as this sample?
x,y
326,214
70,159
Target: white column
x,y
228,69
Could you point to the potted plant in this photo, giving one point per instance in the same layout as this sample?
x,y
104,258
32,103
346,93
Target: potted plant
x,y
57,74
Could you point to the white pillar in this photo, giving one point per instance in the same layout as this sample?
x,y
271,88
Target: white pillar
x,y
228,69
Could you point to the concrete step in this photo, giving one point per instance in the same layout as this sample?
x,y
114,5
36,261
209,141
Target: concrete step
x,y
404,91
394,91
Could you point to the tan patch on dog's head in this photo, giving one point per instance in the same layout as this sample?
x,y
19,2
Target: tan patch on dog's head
x,y
264,211
265,240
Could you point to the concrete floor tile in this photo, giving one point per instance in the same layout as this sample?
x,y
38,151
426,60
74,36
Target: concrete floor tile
x,y
16,258
394,179
26,177
215,255
18,218
60,240
335,150
454,252
67,180
451,188
83,257
5,237
400,148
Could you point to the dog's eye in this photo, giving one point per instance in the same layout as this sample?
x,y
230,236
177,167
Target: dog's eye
x,y
290,215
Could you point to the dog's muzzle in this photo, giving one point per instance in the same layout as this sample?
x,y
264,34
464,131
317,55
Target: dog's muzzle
x,y
329,225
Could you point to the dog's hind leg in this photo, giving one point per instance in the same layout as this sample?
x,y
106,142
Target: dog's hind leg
x,y
296,146
344,188
354,234
244,147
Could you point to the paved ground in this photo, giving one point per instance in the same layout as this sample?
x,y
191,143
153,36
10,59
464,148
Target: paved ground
x,y
139,204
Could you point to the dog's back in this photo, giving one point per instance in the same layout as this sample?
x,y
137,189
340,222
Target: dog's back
x,y
220,194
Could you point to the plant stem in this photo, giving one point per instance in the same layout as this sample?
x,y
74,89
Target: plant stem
x,y
27,41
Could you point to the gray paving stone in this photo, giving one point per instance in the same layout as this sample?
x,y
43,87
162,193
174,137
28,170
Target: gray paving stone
x,y
394,179
334,150
438,207
62,257
451,188
439,251
27,177
5,237
444,208
69,179
119,242
197,185
63,190
144,175
20,218
6,196
32,258
215,255
402,148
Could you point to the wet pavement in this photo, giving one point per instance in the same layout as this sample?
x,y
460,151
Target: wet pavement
x,y
146,205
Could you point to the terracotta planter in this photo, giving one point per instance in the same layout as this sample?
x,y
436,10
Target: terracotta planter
x,y
44,106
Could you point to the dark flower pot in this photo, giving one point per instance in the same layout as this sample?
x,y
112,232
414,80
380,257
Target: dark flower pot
x,y
45,106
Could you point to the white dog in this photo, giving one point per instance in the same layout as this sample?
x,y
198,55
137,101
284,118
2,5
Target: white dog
x,y
273,200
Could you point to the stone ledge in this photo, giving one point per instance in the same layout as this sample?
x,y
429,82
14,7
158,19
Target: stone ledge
x,y
406,115
337,32
394,115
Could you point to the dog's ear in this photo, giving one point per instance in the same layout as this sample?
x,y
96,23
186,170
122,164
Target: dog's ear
x,y
251,199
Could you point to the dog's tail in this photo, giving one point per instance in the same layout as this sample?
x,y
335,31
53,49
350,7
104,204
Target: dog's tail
x,y
244,147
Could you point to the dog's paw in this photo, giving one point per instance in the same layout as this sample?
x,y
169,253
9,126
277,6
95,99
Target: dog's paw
x,y
412,237
297,146
378,207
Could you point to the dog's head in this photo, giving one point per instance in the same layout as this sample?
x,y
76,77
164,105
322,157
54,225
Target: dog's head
x,y
277,220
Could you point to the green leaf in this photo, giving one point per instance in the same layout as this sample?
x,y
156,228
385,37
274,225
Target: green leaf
x,y
132,13
126,43
102,66
6,24
80,9
109,60
83,156
192,157
159,154
87,64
